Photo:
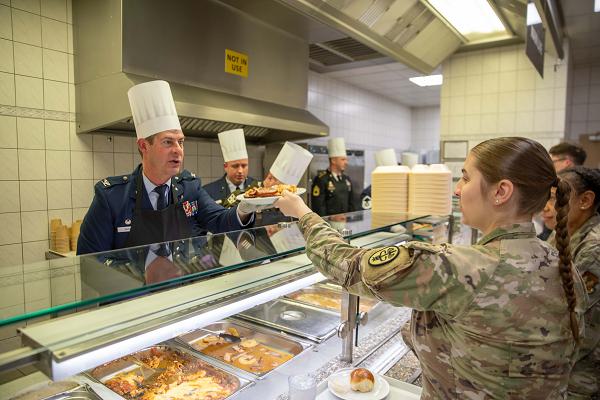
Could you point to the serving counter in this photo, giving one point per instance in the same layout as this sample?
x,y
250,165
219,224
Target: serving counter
x,y
125,301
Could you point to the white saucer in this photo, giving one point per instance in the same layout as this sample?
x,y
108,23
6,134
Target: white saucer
x,y
265,201
339,385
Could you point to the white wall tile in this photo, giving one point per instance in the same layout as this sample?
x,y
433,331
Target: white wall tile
x,y
72,102
104,165
56,95
8,132
56,65
38,289
559,123
54,35
507,102
124,144
29,91
33,6
473,84
5,22
70,40
525,100
55,9
58,164
579,112
507,81
489,103
7,89
490,62
6,56
544,99
526,79
32,165
79,212
489,124
524,122
543,121
34,225
59,194
79,142
28,60
9,196
9,165
34,256
82,165
57,135
30,133
10,255
458,86
508,60
506,123
123,162
71,67
103,143
472,124
64,214
26,27
11,231
33,196
82,192
473,104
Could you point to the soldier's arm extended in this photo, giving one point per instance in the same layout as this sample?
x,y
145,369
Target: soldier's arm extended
x,y
317,199
418,275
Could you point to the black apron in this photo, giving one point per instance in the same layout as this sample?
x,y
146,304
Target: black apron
x,y
156,226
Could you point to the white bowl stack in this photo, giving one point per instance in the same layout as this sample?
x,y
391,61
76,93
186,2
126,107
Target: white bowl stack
x,y
389,189
430,190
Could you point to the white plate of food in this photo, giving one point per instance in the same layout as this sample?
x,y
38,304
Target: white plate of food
x,y
358,384
267,196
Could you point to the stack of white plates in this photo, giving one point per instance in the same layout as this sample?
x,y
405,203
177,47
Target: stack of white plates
x,y
389,189
430,190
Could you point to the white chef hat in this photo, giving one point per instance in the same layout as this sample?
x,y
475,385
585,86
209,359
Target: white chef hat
x,y
152,108
287,239
386,157
233,145
291,163
336,147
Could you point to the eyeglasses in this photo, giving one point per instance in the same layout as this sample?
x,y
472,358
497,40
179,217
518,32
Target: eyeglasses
x,y
558,159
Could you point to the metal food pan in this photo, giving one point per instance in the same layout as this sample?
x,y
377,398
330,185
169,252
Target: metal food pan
x,y
54,392
316,324
246,331
366,304
105,372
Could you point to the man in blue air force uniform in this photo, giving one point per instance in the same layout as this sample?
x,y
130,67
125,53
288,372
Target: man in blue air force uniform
x,y
235,180
159,201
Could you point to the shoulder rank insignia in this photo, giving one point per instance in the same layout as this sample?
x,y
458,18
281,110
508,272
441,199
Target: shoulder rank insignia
x,y
330,186
383,256
590,281
105,182
316,191
321,174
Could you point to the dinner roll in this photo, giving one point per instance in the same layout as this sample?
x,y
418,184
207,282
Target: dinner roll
x,y
362,380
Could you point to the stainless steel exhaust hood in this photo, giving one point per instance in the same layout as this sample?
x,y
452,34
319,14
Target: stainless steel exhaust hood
x,y
120,43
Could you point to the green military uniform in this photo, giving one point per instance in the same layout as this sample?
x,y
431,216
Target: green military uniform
x,y
585,251
330,195
490,321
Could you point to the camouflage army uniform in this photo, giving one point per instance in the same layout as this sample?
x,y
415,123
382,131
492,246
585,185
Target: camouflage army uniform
x,y
585,251
490,320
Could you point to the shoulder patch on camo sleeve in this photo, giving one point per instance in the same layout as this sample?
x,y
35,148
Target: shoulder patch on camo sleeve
x,y
383,256
590,281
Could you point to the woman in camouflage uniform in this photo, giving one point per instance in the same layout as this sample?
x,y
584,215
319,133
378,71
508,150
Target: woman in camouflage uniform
x,y
584,229
497,320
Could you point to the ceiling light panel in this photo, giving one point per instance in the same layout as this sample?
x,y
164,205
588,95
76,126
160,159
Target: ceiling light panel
x,y
474,19
429,80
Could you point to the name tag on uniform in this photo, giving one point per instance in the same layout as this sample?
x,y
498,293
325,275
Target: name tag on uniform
x,y
122,229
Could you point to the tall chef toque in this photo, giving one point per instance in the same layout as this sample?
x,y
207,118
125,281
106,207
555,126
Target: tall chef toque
x,y
153,108
233,145
291,163
386,158
336,147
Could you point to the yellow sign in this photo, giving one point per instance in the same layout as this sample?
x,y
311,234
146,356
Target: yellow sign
x,y
383,256
236,63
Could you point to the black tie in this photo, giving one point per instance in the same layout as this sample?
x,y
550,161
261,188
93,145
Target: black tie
x,y
237,188
162,201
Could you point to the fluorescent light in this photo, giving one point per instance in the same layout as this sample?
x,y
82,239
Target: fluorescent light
x,y
472,18
533,17
597,6
430,80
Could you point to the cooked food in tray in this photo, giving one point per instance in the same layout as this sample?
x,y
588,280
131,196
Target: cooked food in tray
x,y
162,373
275,190
249,354
324,298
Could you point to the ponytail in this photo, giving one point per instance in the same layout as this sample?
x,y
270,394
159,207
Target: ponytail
x,y
563,193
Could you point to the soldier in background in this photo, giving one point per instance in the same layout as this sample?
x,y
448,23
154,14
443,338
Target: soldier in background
x,y
383,158
332,190
235,180
496,320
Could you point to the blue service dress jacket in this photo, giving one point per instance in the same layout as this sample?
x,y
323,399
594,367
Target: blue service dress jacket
x,y
219,189
109,219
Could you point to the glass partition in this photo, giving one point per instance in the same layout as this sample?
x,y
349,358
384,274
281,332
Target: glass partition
x,y
56,286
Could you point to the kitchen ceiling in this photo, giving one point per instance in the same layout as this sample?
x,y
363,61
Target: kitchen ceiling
x,y
582,26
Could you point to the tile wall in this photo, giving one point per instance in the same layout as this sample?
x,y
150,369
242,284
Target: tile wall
x,y
497,92
425,129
